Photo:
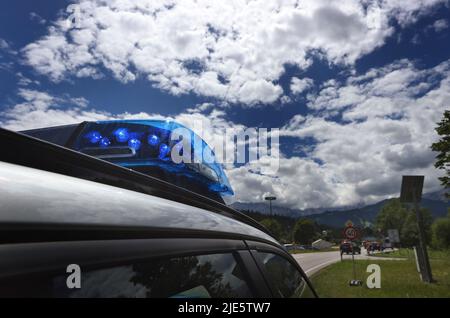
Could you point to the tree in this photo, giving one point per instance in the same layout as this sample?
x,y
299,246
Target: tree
x,y
441,232
273,226
304,231
368,231
395,215
409,232
443,149
391,216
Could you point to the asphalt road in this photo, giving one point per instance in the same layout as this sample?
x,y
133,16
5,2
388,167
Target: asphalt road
x,y
313,262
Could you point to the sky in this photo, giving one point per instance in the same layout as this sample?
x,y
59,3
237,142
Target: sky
x,y
355,87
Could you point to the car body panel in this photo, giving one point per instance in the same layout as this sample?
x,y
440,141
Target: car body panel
x,y
32,196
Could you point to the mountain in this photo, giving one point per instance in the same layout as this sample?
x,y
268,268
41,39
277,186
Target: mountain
x,y
362,216
366,215
264,208
437,195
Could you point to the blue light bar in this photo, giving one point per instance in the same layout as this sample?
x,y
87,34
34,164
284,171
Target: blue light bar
x,y
152,147
163,151
105,142
153,140
122,134
93,137
134,143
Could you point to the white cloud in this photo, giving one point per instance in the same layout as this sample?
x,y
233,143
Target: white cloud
x,y
231,50
440,25
389,115
37,18
387,128
6,47
3,44
298,85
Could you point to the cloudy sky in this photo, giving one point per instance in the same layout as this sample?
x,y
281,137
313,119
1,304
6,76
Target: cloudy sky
x,y
355,86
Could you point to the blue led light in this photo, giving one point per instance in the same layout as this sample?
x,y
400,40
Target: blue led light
x,y
163,151
152,146
93,137
122,134
153,140
134,143
105,142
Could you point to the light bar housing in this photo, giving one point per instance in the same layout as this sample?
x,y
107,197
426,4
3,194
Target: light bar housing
x,y
146,144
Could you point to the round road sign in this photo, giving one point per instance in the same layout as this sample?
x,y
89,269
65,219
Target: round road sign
x,y
350,233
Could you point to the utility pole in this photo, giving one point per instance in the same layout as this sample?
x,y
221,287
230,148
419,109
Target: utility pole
x,y
270,199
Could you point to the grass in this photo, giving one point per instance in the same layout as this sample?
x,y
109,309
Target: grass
x,y
409,253
399,278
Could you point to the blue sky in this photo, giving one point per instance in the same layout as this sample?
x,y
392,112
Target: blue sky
x,y
355,88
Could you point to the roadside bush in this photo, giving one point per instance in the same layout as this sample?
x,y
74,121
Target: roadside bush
x,y
441,233
304,231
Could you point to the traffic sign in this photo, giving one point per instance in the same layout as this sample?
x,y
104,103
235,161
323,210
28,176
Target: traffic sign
x,y
350,233
393,235
411,190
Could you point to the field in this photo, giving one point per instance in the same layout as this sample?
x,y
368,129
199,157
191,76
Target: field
x,y
399,278
409,253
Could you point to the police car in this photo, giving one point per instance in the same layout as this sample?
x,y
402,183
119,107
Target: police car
x,y
99,209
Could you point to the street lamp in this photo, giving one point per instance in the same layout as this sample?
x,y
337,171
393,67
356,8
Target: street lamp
x,y
270,199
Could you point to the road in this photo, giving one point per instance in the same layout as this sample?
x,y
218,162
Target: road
x,y
313,262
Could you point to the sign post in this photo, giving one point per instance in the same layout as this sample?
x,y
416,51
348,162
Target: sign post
x,y
411,192
270,199
351,233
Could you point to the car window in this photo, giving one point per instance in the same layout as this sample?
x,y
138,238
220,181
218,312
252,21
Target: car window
x,y
283,277
203,276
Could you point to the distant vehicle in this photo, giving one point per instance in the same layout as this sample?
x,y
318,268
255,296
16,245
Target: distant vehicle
x,y
387,244
348,247
375,246
126,232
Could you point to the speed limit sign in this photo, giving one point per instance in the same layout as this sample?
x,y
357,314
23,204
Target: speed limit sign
x,y
350,233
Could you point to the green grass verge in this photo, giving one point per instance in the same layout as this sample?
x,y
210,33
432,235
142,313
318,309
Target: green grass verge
x,y
398,279
409,253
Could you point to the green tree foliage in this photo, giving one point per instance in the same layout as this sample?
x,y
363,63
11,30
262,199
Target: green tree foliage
x,y
274,227
395,215
441,232
443,149
304,231
391,216
409,233
368,231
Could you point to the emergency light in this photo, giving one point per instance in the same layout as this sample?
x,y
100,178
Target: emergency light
x,y
148,143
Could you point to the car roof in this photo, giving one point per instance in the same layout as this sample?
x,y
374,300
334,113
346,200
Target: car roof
x,y
40,197
34,153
